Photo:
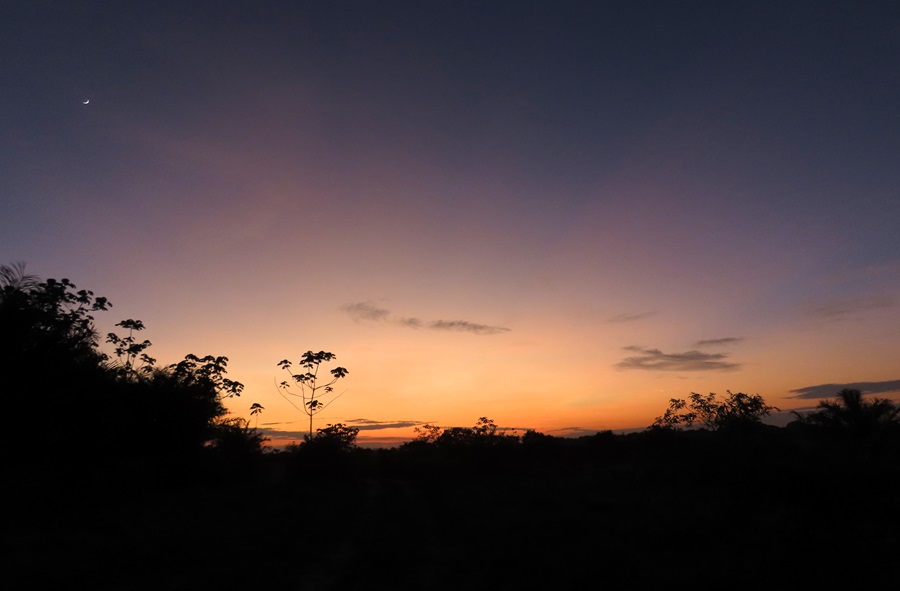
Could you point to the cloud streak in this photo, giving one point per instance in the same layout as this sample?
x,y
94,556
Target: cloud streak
x,y
362,311
719,342
371,425
838,309
621,318
656,360
830,390
369,312
466,326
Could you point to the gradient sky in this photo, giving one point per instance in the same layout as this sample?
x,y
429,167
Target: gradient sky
x,y
558,215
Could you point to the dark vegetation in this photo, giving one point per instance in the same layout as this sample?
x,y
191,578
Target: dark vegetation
x,y
124,475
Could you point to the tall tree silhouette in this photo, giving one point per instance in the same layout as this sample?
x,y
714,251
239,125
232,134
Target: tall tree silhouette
x,y
314,392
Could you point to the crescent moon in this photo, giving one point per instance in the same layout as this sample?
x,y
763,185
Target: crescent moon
x,y
85,101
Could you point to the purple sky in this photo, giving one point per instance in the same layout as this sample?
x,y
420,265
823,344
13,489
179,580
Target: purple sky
x,y
555,214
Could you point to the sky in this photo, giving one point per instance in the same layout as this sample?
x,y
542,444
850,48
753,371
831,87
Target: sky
x,y
557,215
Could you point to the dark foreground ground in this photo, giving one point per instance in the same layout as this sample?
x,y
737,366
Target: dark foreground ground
x,y
603,515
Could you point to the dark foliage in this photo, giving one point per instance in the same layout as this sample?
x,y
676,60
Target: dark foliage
x,y
76,407
53,374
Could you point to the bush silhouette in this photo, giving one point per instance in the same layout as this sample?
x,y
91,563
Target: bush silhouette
x,y
89,405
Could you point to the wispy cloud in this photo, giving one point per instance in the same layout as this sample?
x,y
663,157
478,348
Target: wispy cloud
x,y
280,437
370,425
624,317
838,309
369,312
719,342
830,390
362,311
466,326
656,360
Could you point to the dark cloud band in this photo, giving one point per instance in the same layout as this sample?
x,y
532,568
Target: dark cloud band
x,y
829,390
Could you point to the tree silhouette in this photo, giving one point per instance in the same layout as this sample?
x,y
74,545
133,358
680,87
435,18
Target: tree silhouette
x,y
188,402
852,413
485,433
208,371
312,391
48,321
235,440
427,433
735,411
